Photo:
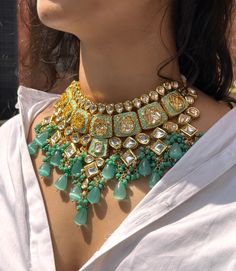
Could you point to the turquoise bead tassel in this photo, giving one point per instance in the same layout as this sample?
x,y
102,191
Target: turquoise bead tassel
x,y
94,195
109,171
61,183
120,191
41,139
76,168
45,169
144,167
56,159
81,216
154,178
75,193
175,152
33,148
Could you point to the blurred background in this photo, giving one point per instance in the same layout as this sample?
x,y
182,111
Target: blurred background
x,y
12,39
8,58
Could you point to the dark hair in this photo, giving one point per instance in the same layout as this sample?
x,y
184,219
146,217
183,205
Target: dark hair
x,y
202,34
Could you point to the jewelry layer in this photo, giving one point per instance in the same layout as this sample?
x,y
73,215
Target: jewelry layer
x,y
92,144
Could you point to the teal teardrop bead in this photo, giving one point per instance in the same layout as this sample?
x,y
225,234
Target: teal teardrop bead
x,y
94,195
41,139
175,151
120,191
81,216
56,159
154,178
45,169
144,167
76,168
61,183
109,171
75,193
33,148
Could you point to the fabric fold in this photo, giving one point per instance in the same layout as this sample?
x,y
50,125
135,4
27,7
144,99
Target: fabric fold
x,y
190,212
175,189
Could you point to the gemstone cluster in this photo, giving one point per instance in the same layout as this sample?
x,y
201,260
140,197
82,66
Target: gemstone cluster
x,y
93,144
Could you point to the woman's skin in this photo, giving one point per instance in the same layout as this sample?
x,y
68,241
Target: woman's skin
x,y
121,48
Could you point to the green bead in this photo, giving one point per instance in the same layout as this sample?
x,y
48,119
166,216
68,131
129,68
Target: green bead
x,y
154,178
137,175
144,167
132,177
81,216
76,168
131,168
120,191
166,155
45,169
61,183
168,164
153,164
75,193
82,177
175,151
41,139
109,171
125,182
56,159
33,148
90,187
141,155
162,165
128,177
94,195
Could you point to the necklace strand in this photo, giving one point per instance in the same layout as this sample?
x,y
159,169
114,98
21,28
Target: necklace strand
x,y
92,144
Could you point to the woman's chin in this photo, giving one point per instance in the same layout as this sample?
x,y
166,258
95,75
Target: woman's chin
x,y
50,13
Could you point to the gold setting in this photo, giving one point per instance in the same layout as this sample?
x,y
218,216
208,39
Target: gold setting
x,y
56,137
159,147
129,158
70,150
91,170
189,130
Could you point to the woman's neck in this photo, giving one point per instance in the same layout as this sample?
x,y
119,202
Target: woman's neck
x,y
122,63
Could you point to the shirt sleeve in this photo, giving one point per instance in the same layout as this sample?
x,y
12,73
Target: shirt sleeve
x,y
13,226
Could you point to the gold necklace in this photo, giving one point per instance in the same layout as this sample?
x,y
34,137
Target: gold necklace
x,y
92,144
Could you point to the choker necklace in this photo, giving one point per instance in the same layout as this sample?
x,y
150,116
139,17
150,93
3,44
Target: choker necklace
x,y
92,144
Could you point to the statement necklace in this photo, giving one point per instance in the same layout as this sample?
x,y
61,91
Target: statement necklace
x,y
92,144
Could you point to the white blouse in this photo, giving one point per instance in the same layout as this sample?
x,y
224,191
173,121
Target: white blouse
x,y
186,222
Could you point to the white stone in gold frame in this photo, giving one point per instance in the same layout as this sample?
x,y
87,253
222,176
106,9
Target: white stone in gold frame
x,y
189,130
91,170
159,147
